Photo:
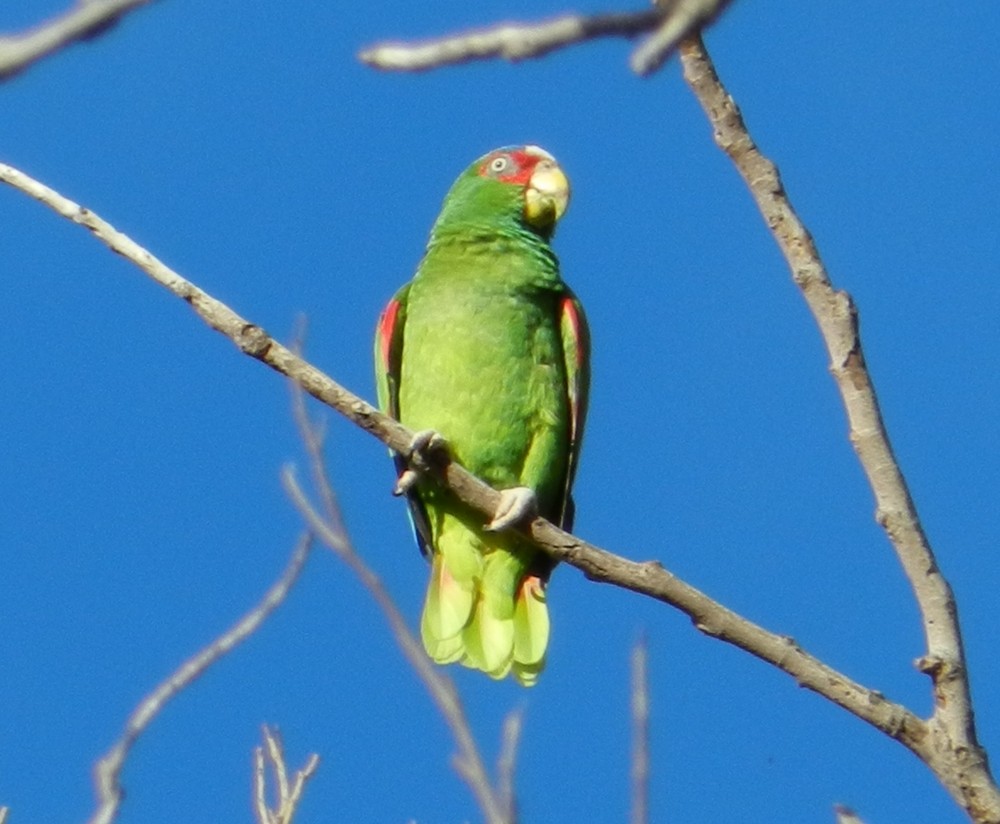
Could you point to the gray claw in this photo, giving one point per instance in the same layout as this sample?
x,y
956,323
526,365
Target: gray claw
x,y
516,505
405,482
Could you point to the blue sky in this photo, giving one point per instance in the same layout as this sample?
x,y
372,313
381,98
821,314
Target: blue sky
x,y
248,148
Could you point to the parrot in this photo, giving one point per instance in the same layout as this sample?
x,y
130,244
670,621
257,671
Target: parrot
x,y
486,353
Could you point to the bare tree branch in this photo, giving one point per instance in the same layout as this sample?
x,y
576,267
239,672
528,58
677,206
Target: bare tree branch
x,y
670,22
640,733
4,811
511,41
468,761
87,18
288,795
107,772
647,578
952,749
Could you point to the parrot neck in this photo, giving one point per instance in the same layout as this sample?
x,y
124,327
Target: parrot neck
x,y
537,262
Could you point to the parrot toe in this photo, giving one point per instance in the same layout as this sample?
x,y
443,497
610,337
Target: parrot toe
x,y
424,444
516,505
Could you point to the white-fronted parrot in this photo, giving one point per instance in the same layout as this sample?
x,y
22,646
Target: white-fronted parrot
x,y
488,347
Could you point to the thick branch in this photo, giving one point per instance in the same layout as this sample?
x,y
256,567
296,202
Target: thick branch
x,y
107,773
648,578
953,751
88,18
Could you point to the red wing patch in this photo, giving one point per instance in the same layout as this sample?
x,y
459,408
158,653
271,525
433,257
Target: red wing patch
x,y
386,327
570,313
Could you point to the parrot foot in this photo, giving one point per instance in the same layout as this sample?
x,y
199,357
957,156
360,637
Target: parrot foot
x,y
516,505
422,446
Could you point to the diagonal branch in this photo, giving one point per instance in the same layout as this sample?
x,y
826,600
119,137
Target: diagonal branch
x,y
107,773
648,578
953,751
671,21
88,18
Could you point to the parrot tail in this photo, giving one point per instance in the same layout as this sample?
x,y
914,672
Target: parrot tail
x,y
494,619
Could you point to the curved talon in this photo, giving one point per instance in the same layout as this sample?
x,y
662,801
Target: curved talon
x,y
405,482
516,505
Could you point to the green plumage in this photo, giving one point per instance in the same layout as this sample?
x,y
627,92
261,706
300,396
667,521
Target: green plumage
x,y
487,346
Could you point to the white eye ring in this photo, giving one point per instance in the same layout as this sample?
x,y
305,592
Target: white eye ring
x,y
498,164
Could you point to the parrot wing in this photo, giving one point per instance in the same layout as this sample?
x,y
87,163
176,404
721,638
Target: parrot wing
x,y
576,353
388,357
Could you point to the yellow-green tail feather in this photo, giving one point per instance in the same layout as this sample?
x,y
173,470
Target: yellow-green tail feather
x,y
482,608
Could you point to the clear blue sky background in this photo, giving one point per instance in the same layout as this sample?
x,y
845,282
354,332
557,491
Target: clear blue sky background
x,y
246,146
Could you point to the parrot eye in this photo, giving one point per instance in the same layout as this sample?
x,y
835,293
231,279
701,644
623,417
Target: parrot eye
x,y
499,164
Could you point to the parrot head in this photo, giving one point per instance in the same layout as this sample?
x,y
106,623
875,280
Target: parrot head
x,y
523,185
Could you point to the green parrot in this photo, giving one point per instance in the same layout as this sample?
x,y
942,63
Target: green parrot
x,y
488,349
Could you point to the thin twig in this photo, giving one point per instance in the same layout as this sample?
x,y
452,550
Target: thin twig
x,y
287,795
511,41
468,762
507,762
952,751
640,733
107,772
647,578
87,18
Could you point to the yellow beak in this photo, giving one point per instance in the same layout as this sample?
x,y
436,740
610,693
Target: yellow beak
x,y
546,196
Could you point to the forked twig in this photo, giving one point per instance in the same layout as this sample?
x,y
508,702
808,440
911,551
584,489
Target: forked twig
x,y
287,795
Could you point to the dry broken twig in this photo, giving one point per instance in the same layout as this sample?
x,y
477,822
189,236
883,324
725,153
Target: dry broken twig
x,y
87,18
647,578
287,795
670,22
947,742
107,772
328,526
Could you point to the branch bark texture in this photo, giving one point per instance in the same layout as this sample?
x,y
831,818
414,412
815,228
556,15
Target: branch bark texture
x,y
948,744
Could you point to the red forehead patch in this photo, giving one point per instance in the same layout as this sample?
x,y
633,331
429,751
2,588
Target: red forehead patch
x,y
509,166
